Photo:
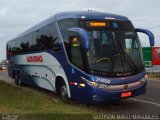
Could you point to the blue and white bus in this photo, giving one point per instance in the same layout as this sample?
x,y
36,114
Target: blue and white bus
x,y
87,56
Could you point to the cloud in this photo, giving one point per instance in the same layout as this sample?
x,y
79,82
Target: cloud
x,y
3,11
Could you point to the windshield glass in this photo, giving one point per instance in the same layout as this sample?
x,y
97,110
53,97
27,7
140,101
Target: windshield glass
x,y
114,52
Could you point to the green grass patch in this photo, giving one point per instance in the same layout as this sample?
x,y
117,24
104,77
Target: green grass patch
x,y
27,104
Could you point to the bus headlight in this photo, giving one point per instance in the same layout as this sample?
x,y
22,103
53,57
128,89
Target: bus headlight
x,y
95,84
100,85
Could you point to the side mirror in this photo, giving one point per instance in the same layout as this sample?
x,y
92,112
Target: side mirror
x,y
83,34
147,32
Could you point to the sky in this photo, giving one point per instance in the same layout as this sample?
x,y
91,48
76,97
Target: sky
x,y
16,16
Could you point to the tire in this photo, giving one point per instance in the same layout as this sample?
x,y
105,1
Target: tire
x,y
64,93
16,78
20,81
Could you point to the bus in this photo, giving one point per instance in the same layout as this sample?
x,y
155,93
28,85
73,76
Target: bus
x,y
86,56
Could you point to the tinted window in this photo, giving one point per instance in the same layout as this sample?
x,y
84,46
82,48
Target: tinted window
x,y
74,52
64,25
46,38
42,39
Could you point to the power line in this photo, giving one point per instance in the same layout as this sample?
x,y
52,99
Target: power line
x,y
153,27
141,19
118,3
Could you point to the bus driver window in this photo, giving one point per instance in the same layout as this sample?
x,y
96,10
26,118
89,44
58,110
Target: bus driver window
x,y
76,55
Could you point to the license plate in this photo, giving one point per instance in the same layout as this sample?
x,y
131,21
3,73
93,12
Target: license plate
x,y
126,94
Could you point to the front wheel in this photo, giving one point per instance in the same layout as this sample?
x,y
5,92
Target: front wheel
x,y
64,93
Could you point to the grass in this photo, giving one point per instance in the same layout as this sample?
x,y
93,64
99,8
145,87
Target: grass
x,y
27,104
30,103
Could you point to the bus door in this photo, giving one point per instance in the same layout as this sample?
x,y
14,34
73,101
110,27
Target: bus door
x,y
76,57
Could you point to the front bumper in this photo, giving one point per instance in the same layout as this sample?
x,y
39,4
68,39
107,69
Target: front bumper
x,y
100,95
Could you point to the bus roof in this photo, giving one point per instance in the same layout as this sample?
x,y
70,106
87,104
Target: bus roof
x,y
89,15
77,14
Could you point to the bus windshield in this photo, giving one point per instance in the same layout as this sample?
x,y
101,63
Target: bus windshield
x,y
114,52
115,48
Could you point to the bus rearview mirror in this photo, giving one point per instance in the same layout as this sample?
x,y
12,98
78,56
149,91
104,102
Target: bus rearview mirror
x,y
83,35
147,32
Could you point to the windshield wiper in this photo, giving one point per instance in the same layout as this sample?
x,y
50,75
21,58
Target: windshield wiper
x,y
125,55
116,54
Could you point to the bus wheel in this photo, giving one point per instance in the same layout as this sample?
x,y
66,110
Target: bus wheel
x,y
64,93
18,80
16,77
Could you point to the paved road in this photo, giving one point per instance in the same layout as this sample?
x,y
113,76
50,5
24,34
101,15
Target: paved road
x,y
148,103
4,77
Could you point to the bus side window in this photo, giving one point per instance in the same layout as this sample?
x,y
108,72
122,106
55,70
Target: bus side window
x,y
47,38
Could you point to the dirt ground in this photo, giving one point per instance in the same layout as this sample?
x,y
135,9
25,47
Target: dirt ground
x,y
152,77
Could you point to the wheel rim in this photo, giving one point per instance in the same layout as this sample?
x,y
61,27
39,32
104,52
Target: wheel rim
x,y
64,92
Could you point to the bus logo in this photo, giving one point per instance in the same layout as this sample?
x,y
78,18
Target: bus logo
x,y
35,58
125,86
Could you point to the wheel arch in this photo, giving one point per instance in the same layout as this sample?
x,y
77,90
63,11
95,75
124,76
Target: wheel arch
x,y
61,78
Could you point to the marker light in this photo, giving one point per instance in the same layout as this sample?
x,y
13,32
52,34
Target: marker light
x,y
82,85
73,83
